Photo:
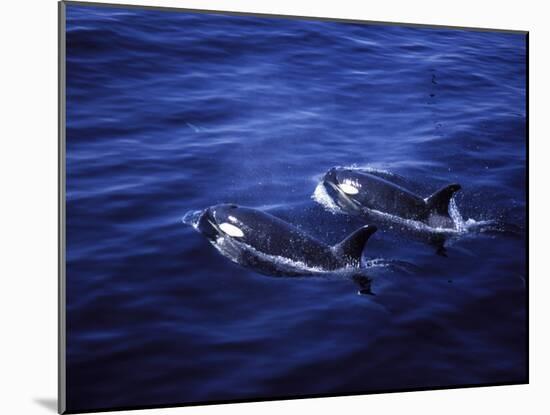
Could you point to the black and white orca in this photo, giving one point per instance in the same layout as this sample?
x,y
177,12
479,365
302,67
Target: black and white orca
x,y
355,190
260,240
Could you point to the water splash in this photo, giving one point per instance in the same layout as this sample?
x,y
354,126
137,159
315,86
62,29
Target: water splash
x,y
191,218
391,264
457,218
460,226
321,196
369,169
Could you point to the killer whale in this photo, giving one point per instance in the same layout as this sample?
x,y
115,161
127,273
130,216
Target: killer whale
x,y
260,240
355,190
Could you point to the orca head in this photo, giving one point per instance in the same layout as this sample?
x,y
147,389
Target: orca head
x,y
345,183
222,220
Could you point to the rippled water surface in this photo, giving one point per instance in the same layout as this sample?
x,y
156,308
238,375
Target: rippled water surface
x,y
169,113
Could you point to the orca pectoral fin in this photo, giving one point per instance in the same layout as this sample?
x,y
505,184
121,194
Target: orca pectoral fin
x,y
352,247
364,283
439,201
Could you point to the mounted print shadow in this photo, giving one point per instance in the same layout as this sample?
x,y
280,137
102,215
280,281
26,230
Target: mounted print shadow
x,y
262,207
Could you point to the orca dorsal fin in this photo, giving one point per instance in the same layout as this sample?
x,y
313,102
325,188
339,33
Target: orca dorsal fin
x,y
439,201
352,247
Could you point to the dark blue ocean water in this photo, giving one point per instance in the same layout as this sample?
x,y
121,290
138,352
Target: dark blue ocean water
x,y
168,113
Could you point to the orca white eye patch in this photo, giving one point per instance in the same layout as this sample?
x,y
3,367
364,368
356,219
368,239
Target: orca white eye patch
x,y
231,230
348,188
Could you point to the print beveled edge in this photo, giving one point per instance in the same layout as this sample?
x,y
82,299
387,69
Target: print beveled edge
x,y
62,303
